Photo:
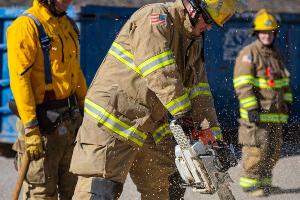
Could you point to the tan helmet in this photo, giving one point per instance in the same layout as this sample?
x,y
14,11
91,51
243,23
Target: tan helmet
x,y
264,21
219,11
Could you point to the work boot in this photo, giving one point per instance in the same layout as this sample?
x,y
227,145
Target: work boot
x,y
273,189
259,192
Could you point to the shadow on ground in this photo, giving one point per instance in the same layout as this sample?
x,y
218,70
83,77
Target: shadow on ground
x,y
286,191
6,150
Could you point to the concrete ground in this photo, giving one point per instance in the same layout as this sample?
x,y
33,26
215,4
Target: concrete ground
x,y
286,176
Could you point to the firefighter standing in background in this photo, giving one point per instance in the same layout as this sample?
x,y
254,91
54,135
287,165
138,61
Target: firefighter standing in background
x,y
49,89
154,67
261,83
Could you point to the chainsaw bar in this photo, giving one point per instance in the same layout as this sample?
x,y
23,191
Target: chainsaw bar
x,y
211,183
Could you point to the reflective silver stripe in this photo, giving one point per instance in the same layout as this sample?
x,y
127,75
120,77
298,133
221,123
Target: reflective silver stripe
x,y
122,55
156,62
216,131
259,82
179,104
200,89
150,65
114,124
248,102
161,132
266,117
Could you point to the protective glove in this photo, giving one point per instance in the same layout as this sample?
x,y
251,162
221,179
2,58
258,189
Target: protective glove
x,y
185,121
33,143
253,116
225,155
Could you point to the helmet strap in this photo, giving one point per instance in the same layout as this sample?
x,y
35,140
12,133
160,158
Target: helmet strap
x,y
195,18
50,4
193,10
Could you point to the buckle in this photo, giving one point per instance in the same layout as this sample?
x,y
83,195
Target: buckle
x,y
46,43
72,101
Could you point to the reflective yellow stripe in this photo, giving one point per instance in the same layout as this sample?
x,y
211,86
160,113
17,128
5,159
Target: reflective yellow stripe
x,y
288,97
123,56
199,89
113,123
270,117
248,102
266,182
156,62
242,80
259,82
179,104
161,132
217,132
248,182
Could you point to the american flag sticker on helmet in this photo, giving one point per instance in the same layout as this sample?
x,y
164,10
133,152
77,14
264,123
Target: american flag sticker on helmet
x,y
158,18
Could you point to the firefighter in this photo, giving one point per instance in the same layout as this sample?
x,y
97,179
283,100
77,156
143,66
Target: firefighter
x,y
153,68
261,82
49,89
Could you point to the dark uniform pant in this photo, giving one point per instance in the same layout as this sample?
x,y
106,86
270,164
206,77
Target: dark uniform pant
x,y
260,153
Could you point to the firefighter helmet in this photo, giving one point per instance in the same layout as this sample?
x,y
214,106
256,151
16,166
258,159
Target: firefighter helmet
x,y
217,11
264,21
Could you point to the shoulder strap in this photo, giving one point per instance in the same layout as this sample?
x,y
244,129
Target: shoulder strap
x,y
75,27
45,43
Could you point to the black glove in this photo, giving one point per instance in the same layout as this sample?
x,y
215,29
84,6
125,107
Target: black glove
x,y
185,121
253,116
226,156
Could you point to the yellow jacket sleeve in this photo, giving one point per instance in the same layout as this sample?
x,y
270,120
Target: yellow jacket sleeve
x,y
22,49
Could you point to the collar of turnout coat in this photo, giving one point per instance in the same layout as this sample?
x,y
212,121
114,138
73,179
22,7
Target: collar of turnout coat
x,y
265,50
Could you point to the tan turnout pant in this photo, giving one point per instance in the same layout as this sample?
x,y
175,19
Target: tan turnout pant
x,y
113,159
259,160
49,177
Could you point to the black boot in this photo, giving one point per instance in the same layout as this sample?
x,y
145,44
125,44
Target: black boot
x,y
176,191
103,189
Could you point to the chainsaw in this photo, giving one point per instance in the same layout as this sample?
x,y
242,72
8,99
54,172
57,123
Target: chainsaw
x,y
202,161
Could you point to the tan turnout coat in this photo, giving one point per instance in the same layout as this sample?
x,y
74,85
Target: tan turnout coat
x,y
153,67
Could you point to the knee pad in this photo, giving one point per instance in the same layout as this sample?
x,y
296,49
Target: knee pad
x,y
103,189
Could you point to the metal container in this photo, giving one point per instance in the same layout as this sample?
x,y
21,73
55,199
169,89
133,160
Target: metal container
x,y
99,26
